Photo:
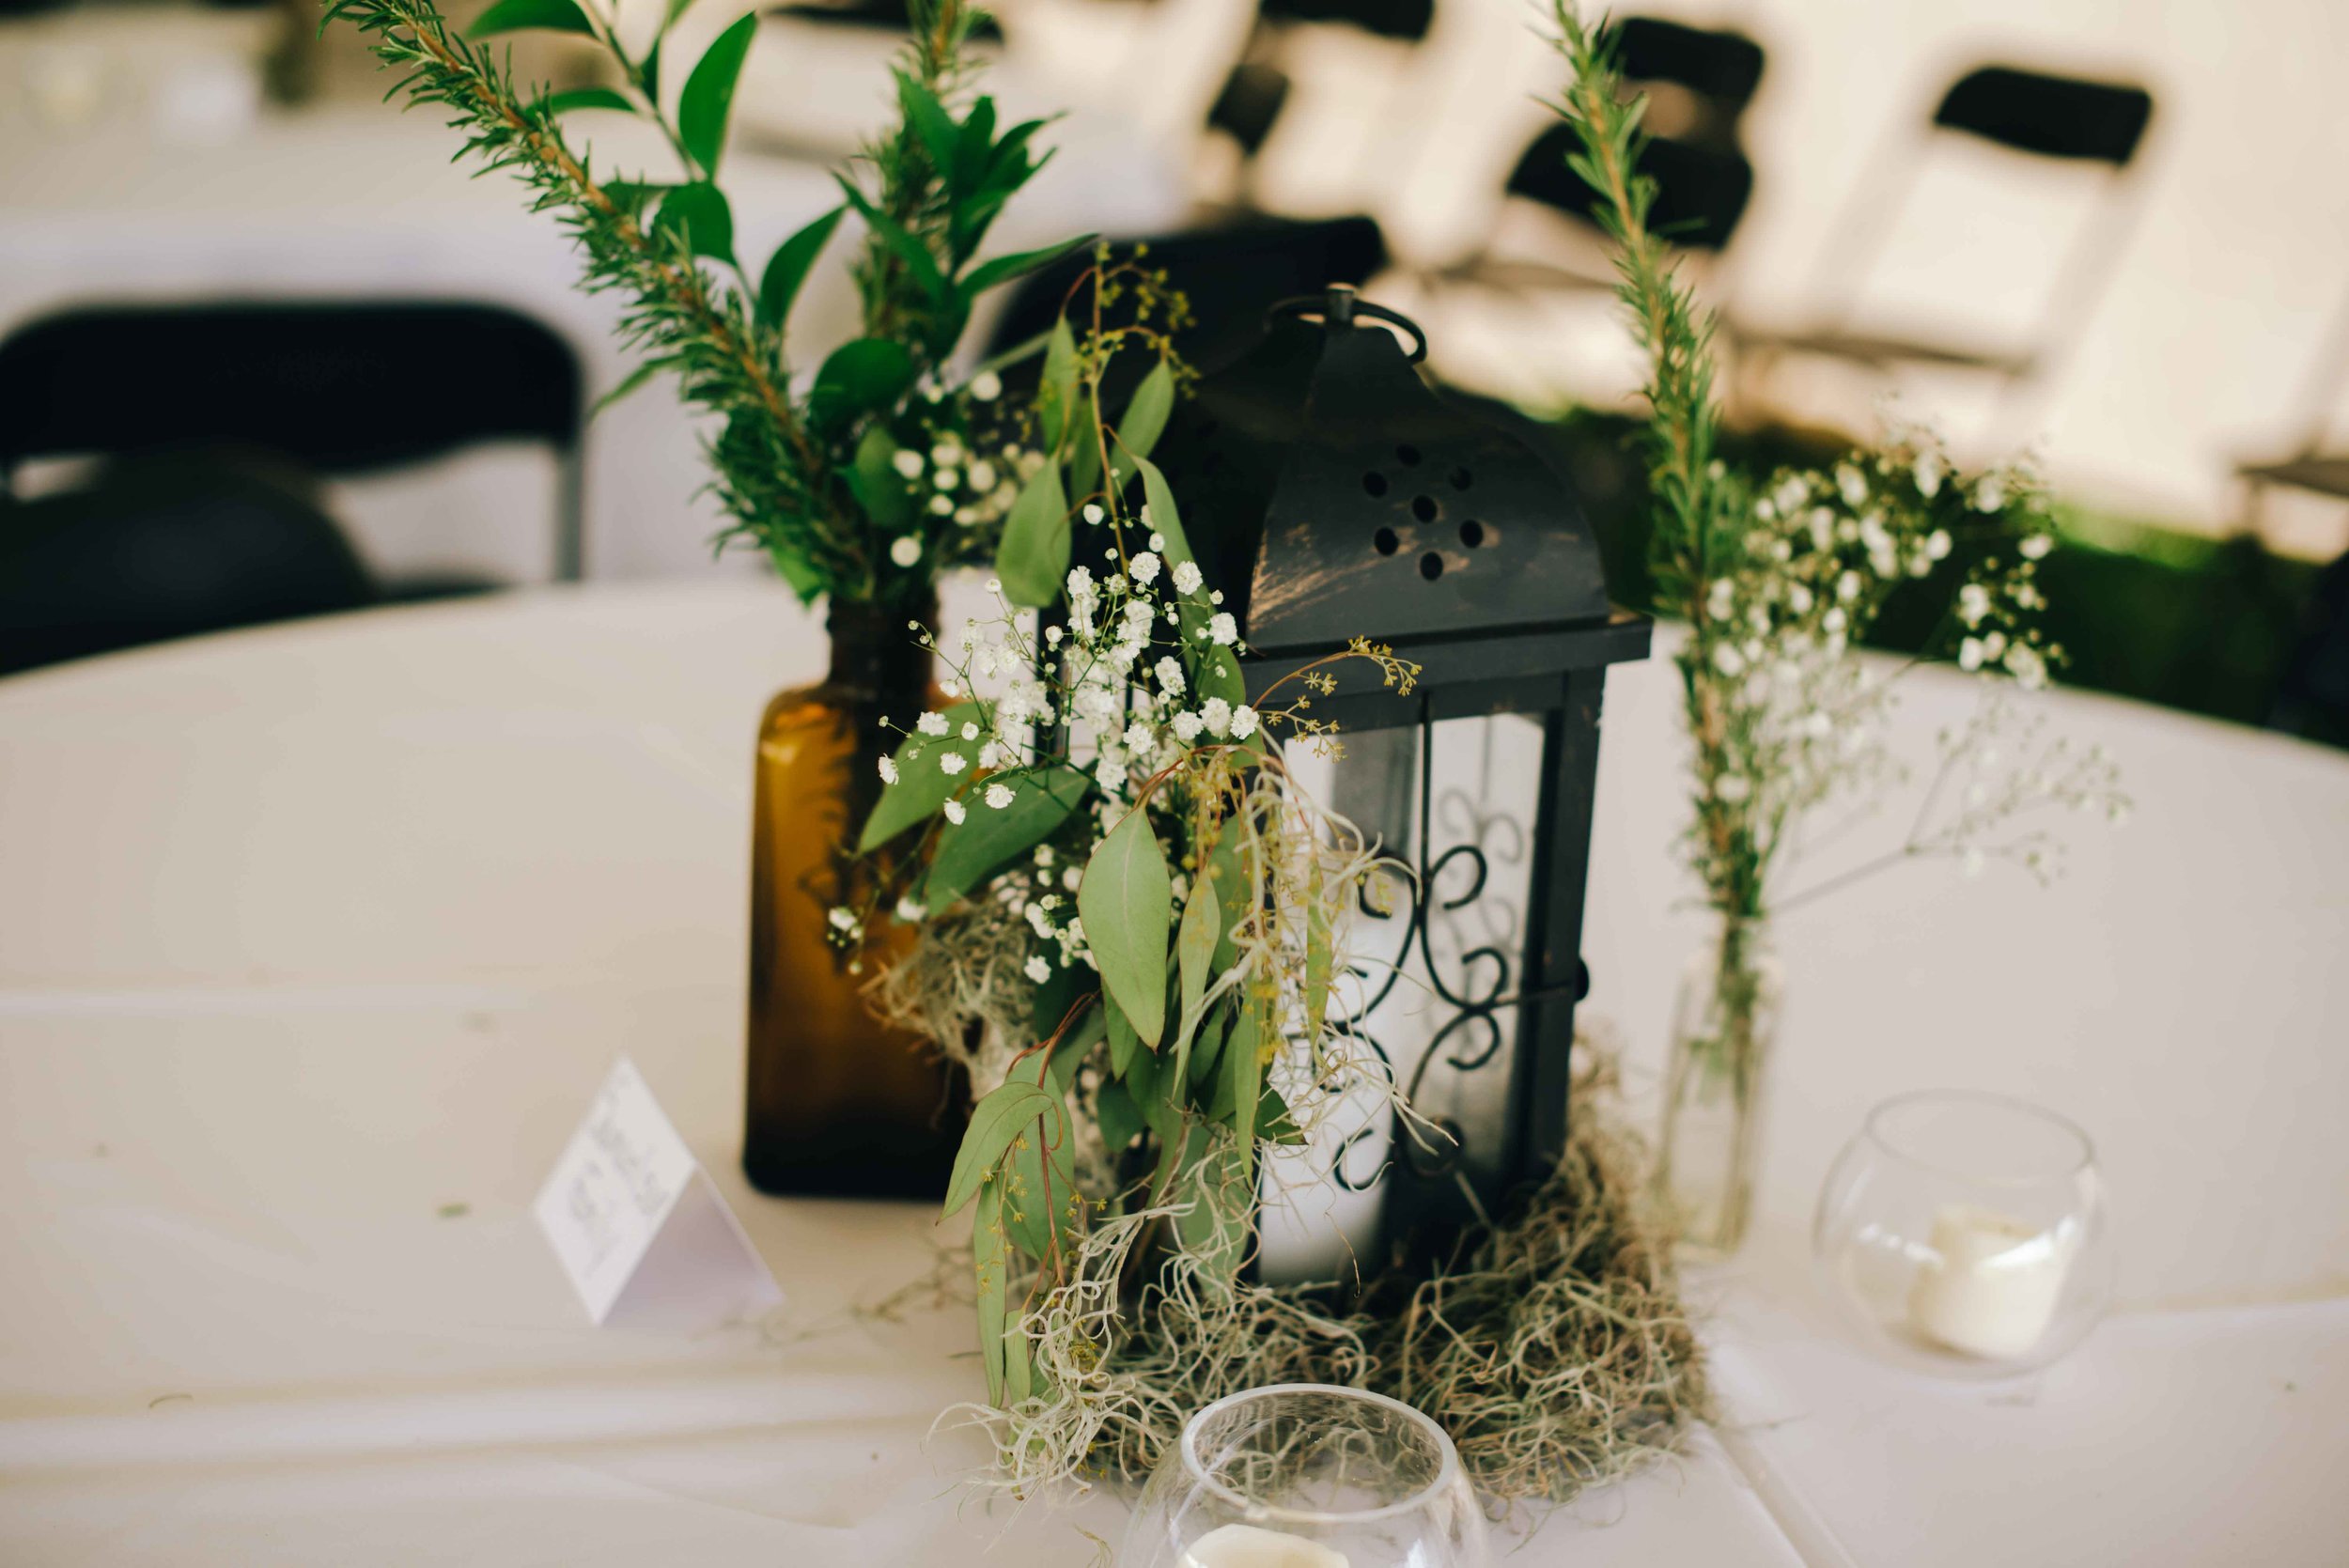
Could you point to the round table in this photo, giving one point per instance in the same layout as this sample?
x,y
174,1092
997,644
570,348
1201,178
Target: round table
x,y
316,940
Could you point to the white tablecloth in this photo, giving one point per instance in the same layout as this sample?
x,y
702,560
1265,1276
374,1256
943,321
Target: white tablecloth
x,y
311,933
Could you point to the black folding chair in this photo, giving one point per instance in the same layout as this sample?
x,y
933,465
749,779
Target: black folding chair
x,y
2318,464
1257,89
1699,83
2059,118
341,388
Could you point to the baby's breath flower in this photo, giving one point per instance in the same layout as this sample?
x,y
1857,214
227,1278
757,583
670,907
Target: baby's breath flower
x,y
2035,547
904,549
953,812
950,762
1223,630
1039,968
908,463
1186,726
889,769
1143,568
932,724
999,795
1217,715
1243,721
986,386
1188,577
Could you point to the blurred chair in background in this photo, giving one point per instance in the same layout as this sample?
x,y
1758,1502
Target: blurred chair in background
x,y
2033,113
1264,81
2313,698
1698,85
2318,464
1529,313
240,405
167,545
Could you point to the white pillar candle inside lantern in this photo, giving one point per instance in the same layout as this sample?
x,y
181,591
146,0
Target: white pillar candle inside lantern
x,y
1247,1546
1991,1284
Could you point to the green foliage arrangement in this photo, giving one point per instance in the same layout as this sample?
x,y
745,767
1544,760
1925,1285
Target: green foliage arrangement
x,y
865,478
1779,578
1129,917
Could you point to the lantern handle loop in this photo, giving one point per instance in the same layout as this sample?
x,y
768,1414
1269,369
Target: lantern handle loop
x,y
1339,305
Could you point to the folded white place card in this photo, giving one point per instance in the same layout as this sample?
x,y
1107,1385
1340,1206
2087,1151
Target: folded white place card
x,y
638,1224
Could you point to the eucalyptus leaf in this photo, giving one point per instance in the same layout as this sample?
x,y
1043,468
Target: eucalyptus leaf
x,y
1002,268
1216,1233
1032,558
969,853
874,480
1214,671
515,16
589,98
862,376
1042,1205
991,1257
932,125
1198,1057
921,786
1056,393
1243,1069
1138,432
787,269
1127,902
974,147
995,1122
708,100
700,214
1127,1057
1121,1120
1275,1122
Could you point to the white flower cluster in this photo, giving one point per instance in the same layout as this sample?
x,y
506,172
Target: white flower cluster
x,y
960,479
1121,675
1789,712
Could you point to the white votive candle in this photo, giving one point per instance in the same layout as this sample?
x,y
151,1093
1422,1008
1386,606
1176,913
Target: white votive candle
x,y
1991,1286
1246,1547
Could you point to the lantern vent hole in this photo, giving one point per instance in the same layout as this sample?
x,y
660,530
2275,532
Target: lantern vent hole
x,y
1431,565
1471,533
1461,478
1406,456
1424,508
1374,484
1386,541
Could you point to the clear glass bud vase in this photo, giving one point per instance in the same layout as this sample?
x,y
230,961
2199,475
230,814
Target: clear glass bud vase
x,y
1723,1027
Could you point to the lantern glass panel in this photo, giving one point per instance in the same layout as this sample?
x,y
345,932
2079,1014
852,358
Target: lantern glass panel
x,y
1428,982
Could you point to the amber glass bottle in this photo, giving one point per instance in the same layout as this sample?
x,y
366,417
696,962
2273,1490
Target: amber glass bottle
x,y
836,1104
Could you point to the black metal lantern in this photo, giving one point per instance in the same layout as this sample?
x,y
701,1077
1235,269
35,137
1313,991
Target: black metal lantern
x,y
1336,494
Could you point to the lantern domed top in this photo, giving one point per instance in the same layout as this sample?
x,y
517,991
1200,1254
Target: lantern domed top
x,y
1323,474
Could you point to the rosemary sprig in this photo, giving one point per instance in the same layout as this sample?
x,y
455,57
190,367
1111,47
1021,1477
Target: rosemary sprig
x,y
803,467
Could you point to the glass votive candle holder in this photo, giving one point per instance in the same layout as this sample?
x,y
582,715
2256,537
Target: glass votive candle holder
x,y
1965,1234
1306,1475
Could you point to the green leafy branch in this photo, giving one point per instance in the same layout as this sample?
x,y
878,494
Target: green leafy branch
x,y
801,468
